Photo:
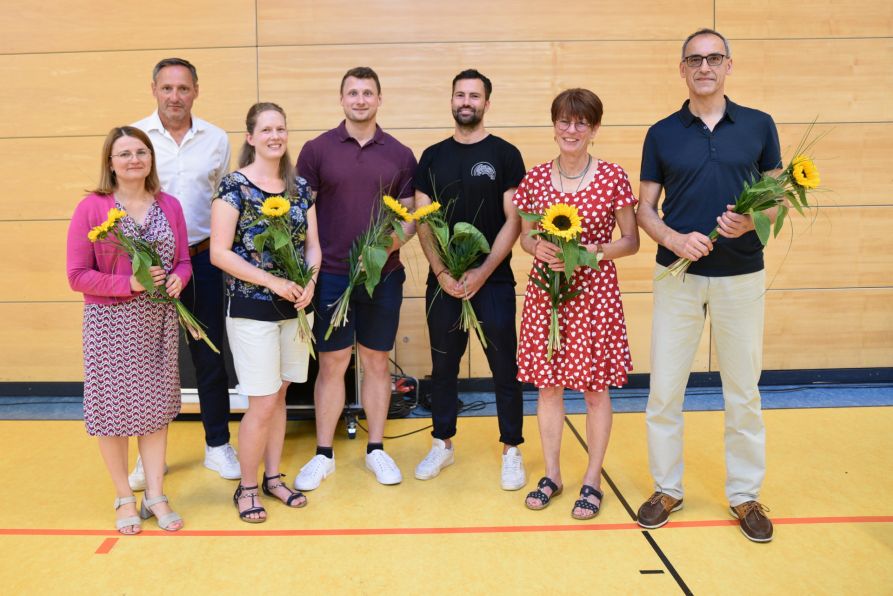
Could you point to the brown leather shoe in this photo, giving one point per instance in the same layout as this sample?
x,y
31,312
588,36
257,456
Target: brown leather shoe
x,y
754,523
656,510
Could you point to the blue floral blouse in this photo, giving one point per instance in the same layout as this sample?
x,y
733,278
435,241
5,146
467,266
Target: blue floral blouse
x,y
244,299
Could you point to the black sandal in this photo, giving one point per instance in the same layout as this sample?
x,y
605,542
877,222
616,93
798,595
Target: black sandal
x,y
582,503
292,497
545,482
242,492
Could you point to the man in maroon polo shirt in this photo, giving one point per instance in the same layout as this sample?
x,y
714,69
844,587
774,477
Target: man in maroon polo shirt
x,y
349,168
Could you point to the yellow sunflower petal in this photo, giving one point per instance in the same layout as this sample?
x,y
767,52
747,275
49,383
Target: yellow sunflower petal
x,y
275,206
423,212
398,209
805,172
562,220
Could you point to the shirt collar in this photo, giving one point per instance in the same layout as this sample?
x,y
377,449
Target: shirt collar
x,y
687,117
344,136
155,123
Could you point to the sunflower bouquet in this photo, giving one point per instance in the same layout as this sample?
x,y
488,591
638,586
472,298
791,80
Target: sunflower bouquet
x,y
278,239
790,187
142,256
369,254
458,251
561,225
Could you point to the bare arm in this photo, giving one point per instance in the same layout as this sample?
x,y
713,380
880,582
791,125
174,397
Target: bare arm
x,y
733,225
426,239
628,243
473,279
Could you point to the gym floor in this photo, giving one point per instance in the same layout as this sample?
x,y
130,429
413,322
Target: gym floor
x,y
827,483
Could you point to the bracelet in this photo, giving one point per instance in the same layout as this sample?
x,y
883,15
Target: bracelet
x,y
442,271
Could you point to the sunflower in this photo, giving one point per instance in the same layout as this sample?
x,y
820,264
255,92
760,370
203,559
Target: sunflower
x,y
804,172
114,215
562,220
100,231
423,212
399,210
275,206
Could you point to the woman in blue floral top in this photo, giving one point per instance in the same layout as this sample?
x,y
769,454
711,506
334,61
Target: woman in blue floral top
x,y
262,303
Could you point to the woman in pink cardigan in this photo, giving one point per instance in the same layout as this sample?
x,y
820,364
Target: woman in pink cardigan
x,y
131,376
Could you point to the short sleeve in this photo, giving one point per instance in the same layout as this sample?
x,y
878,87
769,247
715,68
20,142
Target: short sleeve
x,y
770,158
406,188
308,166
522,197
651,166
514,168
623,191
230,191
305,194
422,178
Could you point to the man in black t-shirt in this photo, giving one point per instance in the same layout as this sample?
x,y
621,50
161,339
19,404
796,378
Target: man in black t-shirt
x,y
473,174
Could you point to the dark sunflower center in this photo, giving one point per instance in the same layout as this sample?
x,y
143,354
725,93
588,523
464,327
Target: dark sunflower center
x,y
562,222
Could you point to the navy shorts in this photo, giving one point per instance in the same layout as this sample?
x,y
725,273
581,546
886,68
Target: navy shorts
x,y
373,320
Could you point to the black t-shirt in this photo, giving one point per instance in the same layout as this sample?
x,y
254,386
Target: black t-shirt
x,y
469,181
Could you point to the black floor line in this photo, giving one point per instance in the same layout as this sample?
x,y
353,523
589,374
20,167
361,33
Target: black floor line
x,y
658,551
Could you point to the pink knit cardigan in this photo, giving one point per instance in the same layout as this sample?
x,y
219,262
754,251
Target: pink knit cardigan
x,y
101,270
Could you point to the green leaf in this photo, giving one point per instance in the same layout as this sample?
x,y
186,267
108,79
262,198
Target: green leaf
x,y
280,238
588,259
260,240
465,232
571,257
141,263
763,226
442,233
529,216
374,258
779,220
398,229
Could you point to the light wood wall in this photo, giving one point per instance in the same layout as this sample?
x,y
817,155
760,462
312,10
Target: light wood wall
x,y
72,71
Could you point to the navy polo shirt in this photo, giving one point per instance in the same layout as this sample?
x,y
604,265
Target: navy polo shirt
x,y
702,171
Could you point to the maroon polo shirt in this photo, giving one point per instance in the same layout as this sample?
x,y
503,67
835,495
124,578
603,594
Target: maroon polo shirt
x,y
349,181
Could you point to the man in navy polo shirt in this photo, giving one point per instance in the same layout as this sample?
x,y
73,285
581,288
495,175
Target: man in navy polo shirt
x,y
701,156
349,168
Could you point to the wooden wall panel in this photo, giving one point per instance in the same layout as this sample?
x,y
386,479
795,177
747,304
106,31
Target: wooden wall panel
x,y
787,18
43,344
34,265
91,105
318,22
66,26
828,329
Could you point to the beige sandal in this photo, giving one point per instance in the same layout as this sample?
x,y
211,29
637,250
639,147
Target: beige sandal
x,y
127,522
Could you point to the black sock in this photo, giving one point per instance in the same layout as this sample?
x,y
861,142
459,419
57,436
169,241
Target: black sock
x,y
327,451
370,447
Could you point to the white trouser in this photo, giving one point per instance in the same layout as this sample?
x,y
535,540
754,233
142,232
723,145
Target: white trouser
x,y
735,305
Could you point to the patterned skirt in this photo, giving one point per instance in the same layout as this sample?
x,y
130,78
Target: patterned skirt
x,y
131,375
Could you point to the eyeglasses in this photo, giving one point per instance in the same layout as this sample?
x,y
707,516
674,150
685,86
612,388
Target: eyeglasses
x,y
695,60
128,155
578,126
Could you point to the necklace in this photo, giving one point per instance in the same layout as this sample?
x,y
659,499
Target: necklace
x,y
581,176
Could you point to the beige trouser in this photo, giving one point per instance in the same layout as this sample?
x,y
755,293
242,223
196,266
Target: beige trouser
x,y
735,305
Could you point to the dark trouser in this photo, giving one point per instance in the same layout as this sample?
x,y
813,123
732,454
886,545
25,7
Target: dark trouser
x,y
204,297
494,305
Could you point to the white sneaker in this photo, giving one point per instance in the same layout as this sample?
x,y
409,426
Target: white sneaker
x,y
224,461
437,459
314,472
137,478
386,471
514,476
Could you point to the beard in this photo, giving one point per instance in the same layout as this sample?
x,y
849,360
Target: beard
x,y
468,120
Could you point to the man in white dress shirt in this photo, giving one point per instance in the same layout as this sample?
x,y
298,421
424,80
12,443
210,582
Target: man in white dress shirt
x,y
192,156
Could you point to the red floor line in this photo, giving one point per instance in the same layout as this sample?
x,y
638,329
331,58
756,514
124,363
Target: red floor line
x,y
864,519
107,545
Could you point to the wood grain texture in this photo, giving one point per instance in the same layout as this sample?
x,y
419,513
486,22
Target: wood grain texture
x,y
43,345
786,19
89,93
66,26
310,22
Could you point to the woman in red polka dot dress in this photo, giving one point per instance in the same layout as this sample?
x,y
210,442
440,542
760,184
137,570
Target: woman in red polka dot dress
x,y
594,350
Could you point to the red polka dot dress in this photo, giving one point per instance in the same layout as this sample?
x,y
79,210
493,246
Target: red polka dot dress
x,y
594,347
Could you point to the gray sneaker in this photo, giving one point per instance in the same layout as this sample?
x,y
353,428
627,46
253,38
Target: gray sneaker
x,y
224,461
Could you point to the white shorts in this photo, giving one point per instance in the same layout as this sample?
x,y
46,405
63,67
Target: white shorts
x,y
266,353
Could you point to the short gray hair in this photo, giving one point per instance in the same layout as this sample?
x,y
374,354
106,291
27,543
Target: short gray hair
x,y
707,31
175,62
